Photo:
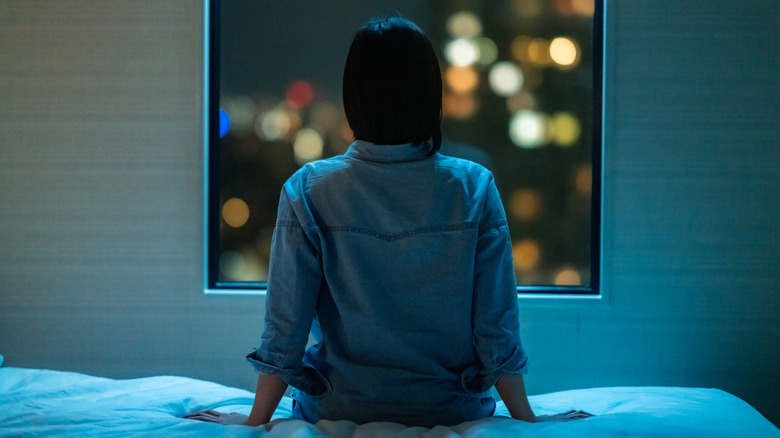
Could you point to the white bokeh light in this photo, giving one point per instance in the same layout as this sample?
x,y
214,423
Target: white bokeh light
x,y
461,52
505,78
273,125
527,129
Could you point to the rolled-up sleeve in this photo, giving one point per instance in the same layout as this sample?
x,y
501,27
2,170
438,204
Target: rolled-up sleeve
x,y
495,315
294,280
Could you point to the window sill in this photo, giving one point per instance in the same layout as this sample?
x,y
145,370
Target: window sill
x,y
526,295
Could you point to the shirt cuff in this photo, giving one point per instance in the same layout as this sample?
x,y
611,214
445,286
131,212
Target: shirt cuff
x,y
303,378
476,379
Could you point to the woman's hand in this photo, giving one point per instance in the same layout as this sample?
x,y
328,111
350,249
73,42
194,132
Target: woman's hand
x,y
218,417
564,416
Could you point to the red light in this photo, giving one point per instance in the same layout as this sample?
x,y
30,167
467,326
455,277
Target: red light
x,y
300,94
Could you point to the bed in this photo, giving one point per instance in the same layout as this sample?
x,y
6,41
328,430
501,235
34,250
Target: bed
x,y
37,402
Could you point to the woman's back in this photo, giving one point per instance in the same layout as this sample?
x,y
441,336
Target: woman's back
x,y
397,229
396,259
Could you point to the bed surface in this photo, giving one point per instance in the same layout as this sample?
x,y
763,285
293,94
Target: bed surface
x,y
53,403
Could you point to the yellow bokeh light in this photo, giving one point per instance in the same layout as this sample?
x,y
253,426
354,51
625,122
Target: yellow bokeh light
x,y
566,129
459,106
525,204
583,179
519,48
346,132
564,52
571,7
461,79
583,7
539,51
235,212
308,146
464,24
567,277
242,266
563,7
526,254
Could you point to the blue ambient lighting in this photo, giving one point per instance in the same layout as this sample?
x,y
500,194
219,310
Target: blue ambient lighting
x,y
224,123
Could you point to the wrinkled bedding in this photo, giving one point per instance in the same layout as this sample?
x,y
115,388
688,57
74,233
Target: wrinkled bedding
x,y
53,403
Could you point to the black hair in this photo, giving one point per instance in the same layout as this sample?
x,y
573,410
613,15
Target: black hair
x,y
392,84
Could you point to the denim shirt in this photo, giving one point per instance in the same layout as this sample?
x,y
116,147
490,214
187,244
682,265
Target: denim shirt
x,y
397,260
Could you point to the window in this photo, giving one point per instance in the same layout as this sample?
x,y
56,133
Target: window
x,y
522,96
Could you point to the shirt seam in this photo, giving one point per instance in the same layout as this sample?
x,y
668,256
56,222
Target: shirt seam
x,y
289,223
402,234
495,225
294,223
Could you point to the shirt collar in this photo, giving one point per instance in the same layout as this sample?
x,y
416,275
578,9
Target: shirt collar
x,y
389,153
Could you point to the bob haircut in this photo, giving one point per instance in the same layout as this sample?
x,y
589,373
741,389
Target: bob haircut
x,y
392,84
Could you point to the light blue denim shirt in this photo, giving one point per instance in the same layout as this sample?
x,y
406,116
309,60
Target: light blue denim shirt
x,y
399,262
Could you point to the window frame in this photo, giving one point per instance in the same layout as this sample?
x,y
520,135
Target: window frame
x,y
212,217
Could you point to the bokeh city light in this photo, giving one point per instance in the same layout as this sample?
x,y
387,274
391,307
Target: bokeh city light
x,y
517,98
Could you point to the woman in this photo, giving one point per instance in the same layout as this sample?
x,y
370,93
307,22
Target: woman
x,y
396,259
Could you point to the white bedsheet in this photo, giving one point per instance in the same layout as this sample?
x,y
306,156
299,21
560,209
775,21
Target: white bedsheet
x,y
53,403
